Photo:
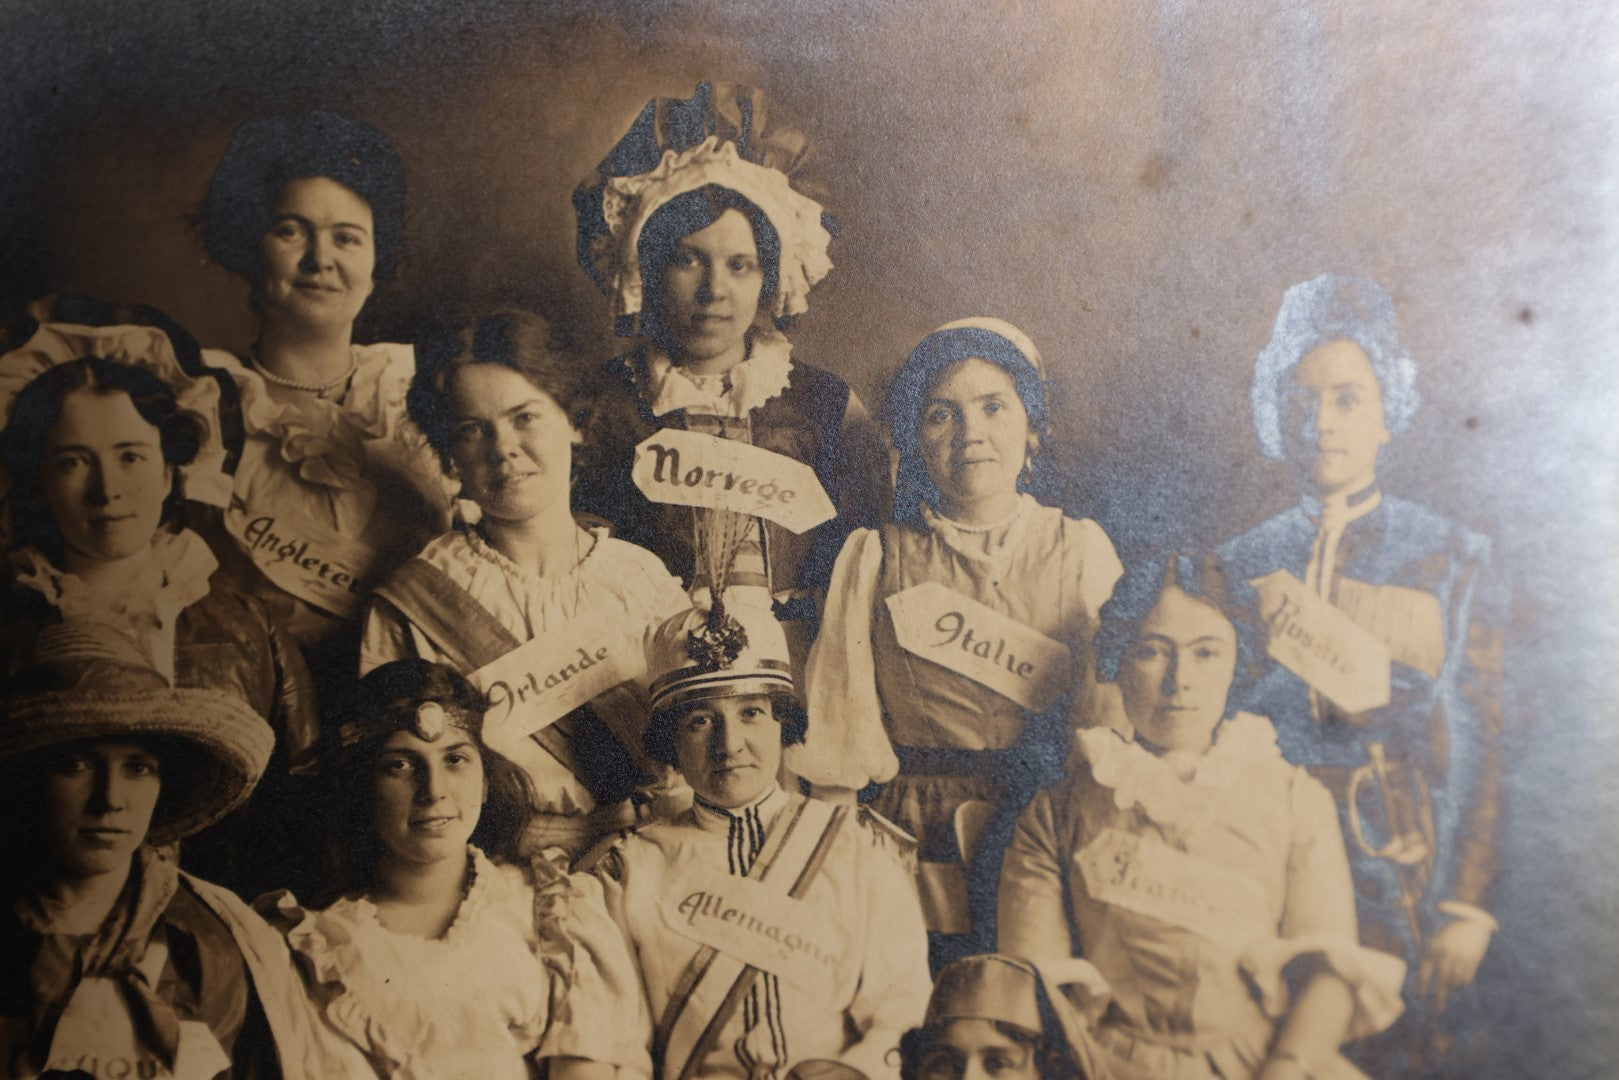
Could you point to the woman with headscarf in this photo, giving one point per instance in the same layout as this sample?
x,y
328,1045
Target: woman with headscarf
x,y
1411,742
952,659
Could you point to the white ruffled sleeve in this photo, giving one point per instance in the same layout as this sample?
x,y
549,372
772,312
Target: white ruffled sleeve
x,y
1318,920
847,746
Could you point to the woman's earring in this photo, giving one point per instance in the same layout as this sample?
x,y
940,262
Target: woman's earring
x,y
466,510
1025,479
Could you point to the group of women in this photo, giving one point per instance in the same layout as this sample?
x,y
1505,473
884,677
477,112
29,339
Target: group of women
x,y
499,623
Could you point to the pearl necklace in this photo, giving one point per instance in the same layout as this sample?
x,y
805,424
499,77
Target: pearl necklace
x,y
318,389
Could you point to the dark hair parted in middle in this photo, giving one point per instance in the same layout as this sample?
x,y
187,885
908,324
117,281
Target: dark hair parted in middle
x,y
266,154
1198,574
38,408
908,395
660,730
690,212
385,701
518,340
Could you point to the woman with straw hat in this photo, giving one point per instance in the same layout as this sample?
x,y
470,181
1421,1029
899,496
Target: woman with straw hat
x,y
110,424
117,963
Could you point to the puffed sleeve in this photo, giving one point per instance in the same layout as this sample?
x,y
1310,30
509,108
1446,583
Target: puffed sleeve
x,y
1032,907
599,1011
894,985
847,746
1318,919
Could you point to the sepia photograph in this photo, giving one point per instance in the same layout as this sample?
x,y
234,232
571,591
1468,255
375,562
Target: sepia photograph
x,y
839,540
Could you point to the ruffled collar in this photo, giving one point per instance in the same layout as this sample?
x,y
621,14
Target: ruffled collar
x,y
763,375
481,889
148,606
991,543
1139,778
324,439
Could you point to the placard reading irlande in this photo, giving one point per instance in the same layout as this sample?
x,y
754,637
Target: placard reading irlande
x,y
758,925
1322,645
545,679
303,557
688,468
1150,878
957,632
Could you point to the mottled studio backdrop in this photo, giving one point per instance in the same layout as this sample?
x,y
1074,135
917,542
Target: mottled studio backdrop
x,y
1134,184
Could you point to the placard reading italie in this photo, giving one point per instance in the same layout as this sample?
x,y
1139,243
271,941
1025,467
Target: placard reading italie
x,y
758,925
1322,645
957,632
689,468
1150,878
303,557
543,680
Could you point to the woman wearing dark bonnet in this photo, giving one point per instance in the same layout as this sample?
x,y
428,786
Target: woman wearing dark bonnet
x,y
334,488
697,229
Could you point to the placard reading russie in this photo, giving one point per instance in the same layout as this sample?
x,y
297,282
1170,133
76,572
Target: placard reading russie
x,y
758,925
689,468
1322,645
303,557
548,677
957,632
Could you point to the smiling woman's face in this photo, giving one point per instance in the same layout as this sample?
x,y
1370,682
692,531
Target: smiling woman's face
x,y
319,256
427,796
511,444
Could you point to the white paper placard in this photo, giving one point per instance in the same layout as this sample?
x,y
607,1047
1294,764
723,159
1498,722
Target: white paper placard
x,y
758,925
1322,645
303,557
688,468
95,1035
548,677
1151,878
938,624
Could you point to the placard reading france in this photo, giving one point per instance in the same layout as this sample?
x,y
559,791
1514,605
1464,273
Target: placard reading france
x,y
303,557
1149,877
1322,645
957,632
758,925
689,468
543,680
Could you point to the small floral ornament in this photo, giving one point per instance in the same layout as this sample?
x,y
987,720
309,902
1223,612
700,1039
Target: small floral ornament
x,y
715,645
630,201
430,721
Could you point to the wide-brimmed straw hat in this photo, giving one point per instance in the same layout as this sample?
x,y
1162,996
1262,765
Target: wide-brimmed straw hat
x,y
87,681
726,135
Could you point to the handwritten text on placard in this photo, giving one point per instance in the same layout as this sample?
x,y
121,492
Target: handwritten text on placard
x,y
1150,878
994,650
545,679
1322,645
689,468
758,925
301,556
